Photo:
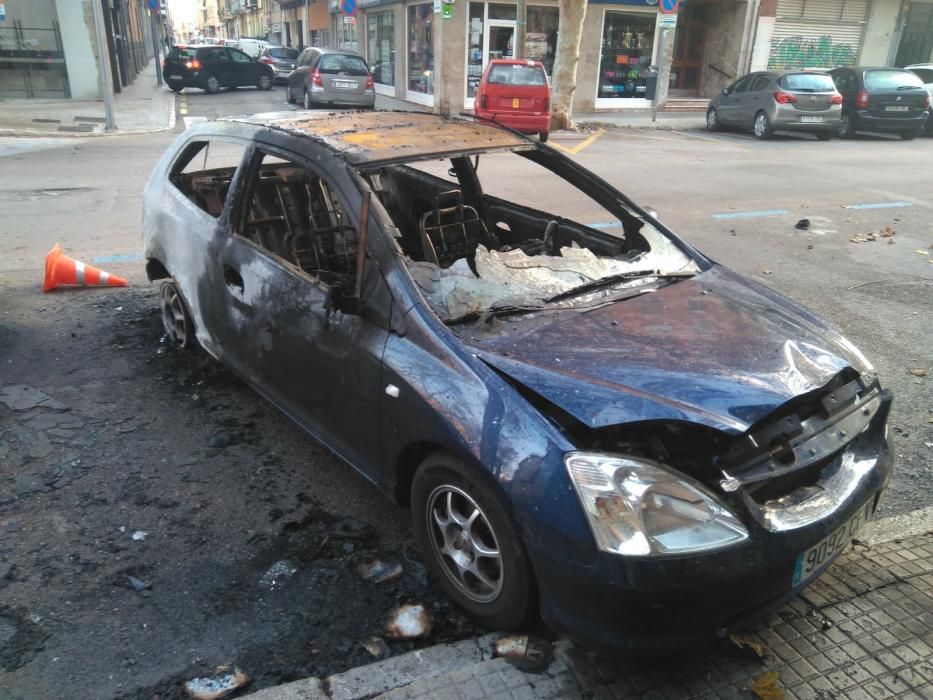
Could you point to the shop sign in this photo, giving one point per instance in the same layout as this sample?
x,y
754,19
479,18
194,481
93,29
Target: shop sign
x,y
667,21
2,12
349,19
448,11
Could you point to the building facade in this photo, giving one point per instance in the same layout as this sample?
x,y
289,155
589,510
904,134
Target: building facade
x,y
48,48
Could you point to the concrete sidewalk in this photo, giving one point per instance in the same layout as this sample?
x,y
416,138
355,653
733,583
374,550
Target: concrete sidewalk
x,y
863,630
141,107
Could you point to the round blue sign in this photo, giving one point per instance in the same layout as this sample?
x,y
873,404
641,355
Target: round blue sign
x,y
349,7
668,6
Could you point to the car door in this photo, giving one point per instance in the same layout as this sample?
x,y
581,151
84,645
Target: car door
x,y
217,63
753,99
293,239
728,106
847,86
299,77
243,69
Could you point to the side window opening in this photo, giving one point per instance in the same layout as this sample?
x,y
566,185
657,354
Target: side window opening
x,y
204,171
296,215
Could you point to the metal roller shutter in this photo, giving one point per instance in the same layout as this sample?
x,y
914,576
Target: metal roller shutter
x,y
818,33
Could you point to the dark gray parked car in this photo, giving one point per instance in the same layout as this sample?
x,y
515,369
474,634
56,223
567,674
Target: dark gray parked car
x,y
324,77
281,59
770,101
891,100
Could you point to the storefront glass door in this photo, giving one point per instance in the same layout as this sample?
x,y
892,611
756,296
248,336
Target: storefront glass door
x,y
488,39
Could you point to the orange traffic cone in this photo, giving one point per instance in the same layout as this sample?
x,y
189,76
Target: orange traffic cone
x,y
60,270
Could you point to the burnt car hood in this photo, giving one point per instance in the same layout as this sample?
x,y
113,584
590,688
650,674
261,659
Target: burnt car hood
x,y
715,349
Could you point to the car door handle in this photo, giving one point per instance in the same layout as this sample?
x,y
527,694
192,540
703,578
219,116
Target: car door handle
x,y
233,278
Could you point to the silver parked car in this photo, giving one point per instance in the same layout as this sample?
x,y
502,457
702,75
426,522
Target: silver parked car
x,y
324,77
924,71
770,101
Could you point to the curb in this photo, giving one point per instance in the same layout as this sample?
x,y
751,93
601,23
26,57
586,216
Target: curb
x,y
897,527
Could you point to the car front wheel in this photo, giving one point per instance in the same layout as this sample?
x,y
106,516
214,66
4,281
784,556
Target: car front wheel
x,y
265,82
471,544
763,128
543,136
211,85
308,104
712,120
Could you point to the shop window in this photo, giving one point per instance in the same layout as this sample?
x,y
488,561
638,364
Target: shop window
x,y
628,43
420,49
380,46
475,48
498,11
541,35
346,33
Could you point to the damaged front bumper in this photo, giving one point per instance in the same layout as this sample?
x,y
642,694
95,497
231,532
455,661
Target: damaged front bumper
x,y
662,603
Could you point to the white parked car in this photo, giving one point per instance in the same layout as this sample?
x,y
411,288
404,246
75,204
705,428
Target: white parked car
x,y
925,72
253,47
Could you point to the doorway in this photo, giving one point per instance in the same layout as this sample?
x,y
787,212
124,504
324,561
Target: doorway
x,y
491,34
689,45
916,44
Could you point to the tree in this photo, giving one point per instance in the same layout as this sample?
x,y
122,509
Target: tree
x,y
569,31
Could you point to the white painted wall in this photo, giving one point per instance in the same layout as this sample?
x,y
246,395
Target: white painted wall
x,y
878,34
762,46
76,20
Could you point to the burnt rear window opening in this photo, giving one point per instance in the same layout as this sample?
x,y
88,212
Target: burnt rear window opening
x,y
481,241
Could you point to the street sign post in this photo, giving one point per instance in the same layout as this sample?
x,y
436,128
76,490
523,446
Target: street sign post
x,y
667,22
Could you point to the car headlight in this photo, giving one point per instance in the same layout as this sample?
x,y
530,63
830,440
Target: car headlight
x,y
637,507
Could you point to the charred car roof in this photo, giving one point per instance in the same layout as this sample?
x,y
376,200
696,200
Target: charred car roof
x,y
371,137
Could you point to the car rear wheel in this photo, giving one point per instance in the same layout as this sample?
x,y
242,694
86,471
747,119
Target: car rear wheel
x,y
909,135
211,85
289,97
712,120
846,128
176,86
762,127
308,104
176,321
471,544
823,135
543,136
265,82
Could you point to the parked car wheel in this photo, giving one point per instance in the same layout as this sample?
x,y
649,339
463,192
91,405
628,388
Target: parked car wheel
x,y
265,82
308,104
762,127
712,120
823,135
176,320
543,136
909,135
211,85
289,97
176,86
472,546
846,128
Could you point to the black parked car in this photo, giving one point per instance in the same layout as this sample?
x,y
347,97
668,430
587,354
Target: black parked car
x,y
588,417
213,67
881,99
282,60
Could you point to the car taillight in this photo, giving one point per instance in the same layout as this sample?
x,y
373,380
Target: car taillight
x,y
370,85
483,101
861,100
193,65
268,61
926,102
547,105
316,78
783,98
835,100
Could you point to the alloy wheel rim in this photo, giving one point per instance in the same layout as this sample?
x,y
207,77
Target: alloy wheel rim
x,y
212,83
264,81
307,100
465,543
173,316
760,125
711,119
843,125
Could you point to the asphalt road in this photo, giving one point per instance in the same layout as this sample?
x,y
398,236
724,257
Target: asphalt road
x,y
224,487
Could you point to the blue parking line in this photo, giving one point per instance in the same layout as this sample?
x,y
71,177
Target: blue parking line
x,y
879,205
751,214
116,259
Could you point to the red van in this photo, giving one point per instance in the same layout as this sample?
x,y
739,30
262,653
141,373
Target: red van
x,y
516,94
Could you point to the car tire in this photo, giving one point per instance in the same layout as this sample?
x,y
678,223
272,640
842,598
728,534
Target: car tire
x,y
762,127
543,137
211,85
177,323
289,97
823,135
176,87
846,128
306,100
908,135
265,82
712,120
454,510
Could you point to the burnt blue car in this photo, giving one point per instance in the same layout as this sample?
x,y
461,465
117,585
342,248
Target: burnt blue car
x,y
590,420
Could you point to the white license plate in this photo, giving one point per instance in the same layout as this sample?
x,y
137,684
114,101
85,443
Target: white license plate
x,y
343,84
175,77
815,559
811,120
896,108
